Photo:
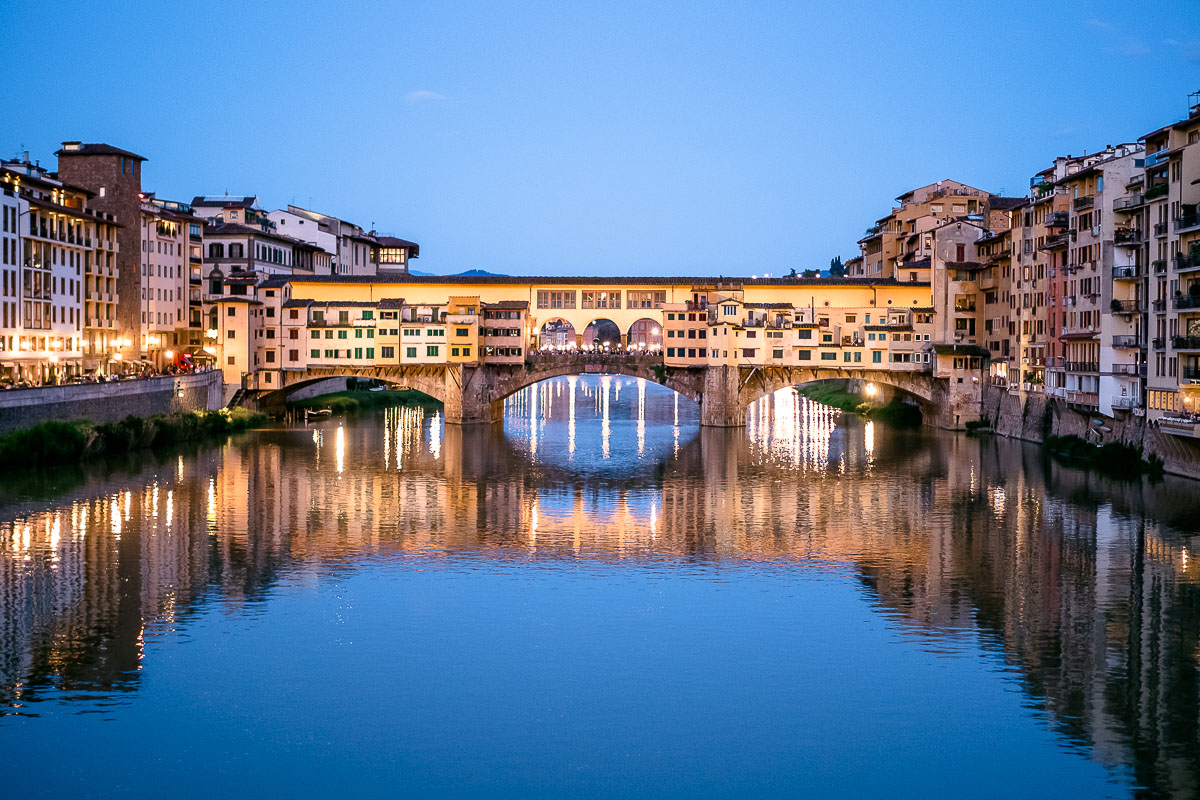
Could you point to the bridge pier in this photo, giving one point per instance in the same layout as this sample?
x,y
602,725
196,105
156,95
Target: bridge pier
x,y
720,405
466,396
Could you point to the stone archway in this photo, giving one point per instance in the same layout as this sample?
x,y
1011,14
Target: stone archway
x,y
645,334
557,333
603,334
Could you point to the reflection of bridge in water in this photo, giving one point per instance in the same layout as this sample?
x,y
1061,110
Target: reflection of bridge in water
x,y
1092,600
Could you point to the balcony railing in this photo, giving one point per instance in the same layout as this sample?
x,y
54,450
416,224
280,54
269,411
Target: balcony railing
x,y
1159,305
1125,307
1185,342
1127,273
1127,341
1156,191
1126,403
1128,237
1159,265
1187,222
1158,342
1083,366
1129,203
1057,219
1126,369
1087,201
1184,301
1191,261
1055,241
1082,398
1156,158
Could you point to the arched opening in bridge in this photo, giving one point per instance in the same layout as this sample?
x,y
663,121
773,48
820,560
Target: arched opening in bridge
x,y
602,334
873,399
645,334
602,423
558,334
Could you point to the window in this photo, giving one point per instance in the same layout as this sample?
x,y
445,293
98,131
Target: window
x,y
555,299
431,350
610,298
776,354
463,332
231,312
646,299
314,353
804,355
230,334
454,352
876,356
410,352
387,352
804,333
829,356
270,356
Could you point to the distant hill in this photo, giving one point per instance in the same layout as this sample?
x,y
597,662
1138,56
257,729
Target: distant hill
x,y
471,273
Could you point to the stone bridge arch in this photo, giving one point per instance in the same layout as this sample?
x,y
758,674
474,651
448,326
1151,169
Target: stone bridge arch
x,y
757,382
476,393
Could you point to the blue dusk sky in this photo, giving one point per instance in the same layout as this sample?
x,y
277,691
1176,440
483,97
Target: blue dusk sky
x,y
595,137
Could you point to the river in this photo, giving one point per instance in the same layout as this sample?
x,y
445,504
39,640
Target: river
x,y
598,598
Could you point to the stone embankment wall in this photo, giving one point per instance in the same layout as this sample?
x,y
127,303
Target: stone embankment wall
x,y
109,402
1040,416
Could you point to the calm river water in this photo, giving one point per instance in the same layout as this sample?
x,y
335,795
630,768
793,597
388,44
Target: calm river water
x,y
599,599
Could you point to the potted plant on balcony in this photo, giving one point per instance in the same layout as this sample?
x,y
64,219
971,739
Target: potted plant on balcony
x,y
1115,306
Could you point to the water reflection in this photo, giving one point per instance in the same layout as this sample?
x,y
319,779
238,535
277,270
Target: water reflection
x,y
1085,589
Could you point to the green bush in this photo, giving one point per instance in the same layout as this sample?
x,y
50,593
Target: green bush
x,y
60,442
353,401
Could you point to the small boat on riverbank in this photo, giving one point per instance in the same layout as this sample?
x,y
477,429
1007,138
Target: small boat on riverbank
x,y
309,413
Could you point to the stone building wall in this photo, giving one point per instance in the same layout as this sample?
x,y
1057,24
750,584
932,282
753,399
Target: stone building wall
x,y
1039,417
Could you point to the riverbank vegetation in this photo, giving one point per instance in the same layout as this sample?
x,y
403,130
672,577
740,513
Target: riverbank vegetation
x,y
51,443
897,413
1113,458
355,400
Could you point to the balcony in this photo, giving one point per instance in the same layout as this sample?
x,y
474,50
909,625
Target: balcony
x,y
1131,272
1085,202
1054,242
1083,366
1156,158
1126,307
1186,263
1158,343
1159,265
1185,342
1127,341
1127,369
1056,362
1127,237
1186,222
1082,398
1160,229
1126,403
1057,219
1187,301
1180,425
1159,306
1127,204
964,308
1156,191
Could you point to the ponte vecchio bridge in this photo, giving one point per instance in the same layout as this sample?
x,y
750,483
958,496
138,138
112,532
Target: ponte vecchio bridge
x,y
470,342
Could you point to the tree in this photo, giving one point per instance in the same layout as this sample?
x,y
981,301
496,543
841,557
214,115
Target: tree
x,y
792,274
811,273
835,267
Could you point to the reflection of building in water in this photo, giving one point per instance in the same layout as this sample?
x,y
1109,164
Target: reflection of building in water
x,y
1063,576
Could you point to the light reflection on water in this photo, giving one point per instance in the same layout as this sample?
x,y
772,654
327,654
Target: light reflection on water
x,y
728,589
